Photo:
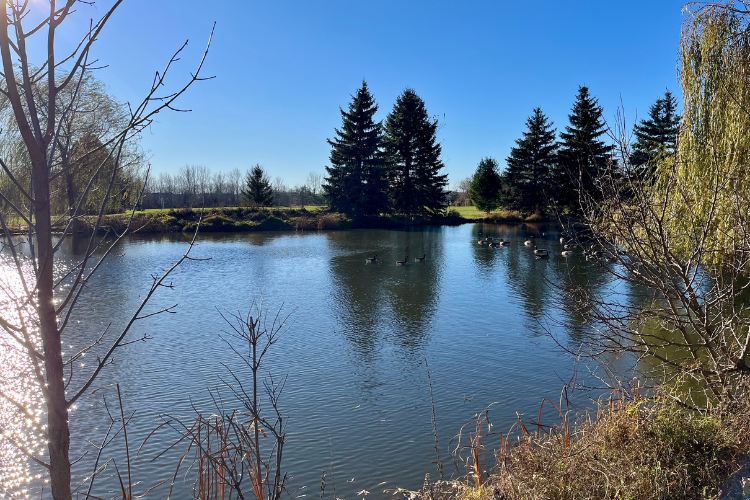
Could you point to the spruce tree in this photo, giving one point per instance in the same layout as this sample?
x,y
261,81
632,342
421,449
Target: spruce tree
x,y
258,191
656,136
356,183
485,186
417,186
584,158
528,177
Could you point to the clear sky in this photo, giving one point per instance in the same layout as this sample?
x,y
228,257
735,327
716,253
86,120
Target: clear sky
x,y
283,69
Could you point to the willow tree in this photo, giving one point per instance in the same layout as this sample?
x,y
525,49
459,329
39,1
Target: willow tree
x,y
686,239
710,181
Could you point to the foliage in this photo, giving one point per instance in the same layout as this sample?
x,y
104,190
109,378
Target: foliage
x,y
584,158
257,190
630,447
356,181
417,187
656,136
527,179
713,154
485,186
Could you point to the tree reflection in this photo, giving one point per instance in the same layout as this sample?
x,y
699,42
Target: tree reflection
x,y
382,302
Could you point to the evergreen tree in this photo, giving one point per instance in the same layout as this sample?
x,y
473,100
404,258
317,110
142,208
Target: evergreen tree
x,y
584,159
258,191
417,187
656,136
527,179
356,182
485,186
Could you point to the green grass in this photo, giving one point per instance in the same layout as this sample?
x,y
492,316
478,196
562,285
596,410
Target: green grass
x,y
309,208
469,212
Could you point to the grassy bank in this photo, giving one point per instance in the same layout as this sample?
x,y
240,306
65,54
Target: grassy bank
x,y
239,219
630,448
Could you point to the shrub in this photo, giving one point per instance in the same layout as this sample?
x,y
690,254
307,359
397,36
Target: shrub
x,y
272,224
504,216
305,223
329,221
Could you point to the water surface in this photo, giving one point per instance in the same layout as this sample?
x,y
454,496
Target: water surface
x,y
357,396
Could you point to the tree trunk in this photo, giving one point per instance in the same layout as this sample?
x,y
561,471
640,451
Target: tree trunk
x,y
58,432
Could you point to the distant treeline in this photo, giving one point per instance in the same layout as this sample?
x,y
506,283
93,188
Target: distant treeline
x,y
197,186
546,173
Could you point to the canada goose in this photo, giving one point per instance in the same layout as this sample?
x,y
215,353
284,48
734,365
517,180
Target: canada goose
x,y
567,253
528,243
569,246
541,252
481,242
562,240
494,244
489,238
480,233
504,243
370,260
420,259
402,262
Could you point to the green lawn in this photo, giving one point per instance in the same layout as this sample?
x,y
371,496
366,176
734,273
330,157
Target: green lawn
x,y
309,208
469,212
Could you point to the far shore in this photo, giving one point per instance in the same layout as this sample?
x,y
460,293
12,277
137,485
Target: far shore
x,y
244,219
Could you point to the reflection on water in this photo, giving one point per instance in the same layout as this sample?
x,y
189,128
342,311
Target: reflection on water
x,y
357,395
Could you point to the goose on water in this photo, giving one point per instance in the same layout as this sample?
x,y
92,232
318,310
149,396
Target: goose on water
x,y
567,253
541,252
372,259
494,244
402,262
420,259
528,243
481,242
504,243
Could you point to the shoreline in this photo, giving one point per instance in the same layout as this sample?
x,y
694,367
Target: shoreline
x,y
243,220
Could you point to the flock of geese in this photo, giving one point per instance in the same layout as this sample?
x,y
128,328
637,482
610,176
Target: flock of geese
x,y
374,259
540,253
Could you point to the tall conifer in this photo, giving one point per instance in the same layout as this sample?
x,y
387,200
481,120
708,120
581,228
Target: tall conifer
x,y
356,183
417,186
485,186
656,136
258,191
527,179
584,158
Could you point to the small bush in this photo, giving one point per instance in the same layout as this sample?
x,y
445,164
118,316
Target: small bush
x,y
504,216
180,212
329,221
218,223
535,217
305,223
272,224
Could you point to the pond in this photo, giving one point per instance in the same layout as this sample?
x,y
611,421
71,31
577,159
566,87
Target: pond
x,y
357,397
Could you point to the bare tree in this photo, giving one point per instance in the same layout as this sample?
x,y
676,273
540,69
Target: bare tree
x,y
41,296
314,184
280,192
227,444
692,326
462,190
235,183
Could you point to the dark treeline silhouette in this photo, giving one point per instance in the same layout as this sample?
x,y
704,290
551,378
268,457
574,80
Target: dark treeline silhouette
x,y
546,174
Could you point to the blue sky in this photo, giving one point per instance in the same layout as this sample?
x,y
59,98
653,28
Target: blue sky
x,y
283,69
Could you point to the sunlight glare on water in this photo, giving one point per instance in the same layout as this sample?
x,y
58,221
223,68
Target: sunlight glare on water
x,y
21,416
